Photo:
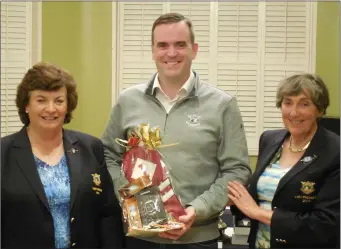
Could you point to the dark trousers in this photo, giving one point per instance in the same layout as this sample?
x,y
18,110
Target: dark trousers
x,y
133,243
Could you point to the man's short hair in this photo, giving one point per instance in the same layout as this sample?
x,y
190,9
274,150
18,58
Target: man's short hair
x,y
169,18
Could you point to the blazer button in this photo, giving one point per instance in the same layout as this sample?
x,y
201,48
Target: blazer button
x,y
72,219
73,244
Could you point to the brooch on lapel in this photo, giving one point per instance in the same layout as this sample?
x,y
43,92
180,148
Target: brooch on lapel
x,y
96,178
308,187
308,159
72,151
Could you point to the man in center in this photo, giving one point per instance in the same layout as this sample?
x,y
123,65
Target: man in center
x,y
204,121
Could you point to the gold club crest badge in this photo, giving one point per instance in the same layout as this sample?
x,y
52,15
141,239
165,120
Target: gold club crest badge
x,y
307,187
96,179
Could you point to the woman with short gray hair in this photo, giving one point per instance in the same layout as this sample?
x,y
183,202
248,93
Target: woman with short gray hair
x,y
299,83
293,199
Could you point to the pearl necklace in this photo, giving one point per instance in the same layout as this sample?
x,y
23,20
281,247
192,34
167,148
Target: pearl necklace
x,y
297,150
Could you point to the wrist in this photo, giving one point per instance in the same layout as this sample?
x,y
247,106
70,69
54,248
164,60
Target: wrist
x,y
257,212
262,215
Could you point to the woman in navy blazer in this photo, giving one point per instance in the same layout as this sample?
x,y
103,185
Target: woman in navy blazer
x,y
293,198
56,191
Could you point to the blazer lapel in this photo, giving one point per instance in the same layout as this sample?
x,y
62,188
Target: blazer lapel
x,y
73,158
310,155
27,164
271,149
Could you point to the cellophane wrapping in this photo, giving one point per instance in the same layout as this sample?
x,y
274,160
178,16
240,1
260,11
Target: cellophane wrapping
x,y
149,203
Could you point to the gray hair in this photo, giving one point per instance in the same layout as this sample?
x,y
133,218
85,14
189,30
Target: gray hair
x,y
299,83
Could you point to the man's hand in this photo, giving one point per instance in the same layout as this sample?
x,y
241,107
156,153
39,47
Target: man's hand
x,y
187,219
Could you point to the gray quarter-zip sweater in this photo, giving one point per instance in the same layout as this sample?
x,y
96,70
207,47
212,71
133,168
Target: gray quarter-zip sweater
x,y
212,148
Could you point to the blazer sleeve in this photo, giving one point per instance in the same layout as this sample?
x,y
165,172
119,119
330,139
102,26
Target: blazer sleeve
x,y
4,153
320,223
111,227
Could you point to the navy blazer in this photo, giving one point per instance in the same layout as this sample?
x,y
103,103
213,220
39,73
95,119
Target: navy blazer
x,y
306,203
26,220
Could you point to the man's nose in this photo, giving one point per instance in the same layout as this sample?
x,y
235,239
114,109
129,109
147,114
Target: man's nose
x,y
171,51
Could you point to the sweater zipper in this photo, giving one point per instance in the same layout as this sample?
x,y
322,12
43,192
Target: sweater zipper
x,y
164,129
161,105
176,104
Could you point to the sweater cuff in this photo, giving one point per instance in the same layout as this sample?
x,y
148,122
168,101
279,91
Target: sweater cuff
x,y
118,184
200,208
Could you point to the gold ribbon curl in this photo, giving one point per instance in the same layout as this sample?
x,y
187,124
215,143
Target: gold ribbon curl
x,y
150,137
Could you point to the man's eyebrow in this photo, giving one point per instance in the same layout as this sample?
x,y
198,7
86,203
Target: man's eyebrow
x,y
180,42
177,42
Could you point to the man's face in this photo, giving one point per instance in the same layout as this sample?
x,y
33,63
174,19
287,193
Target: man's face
x,y
173,51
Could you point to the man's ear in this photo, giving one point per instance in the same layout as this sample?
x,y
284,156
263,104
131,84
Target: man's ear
x,y
195,47
153,56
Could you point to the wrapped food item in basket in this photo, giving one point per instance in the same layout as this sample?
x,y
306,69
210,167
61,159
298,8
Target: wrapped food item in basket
x,y
135,186
150,206
144,213
149,184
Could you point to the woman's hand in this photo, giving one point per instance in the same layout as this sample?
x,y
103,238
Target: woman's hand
x,y
246,204
239,195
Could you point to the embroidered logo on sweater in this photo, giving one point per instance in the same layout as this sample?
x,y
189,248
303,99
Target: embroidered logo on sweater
x,y
193,120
